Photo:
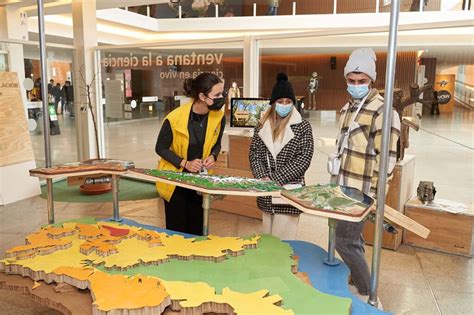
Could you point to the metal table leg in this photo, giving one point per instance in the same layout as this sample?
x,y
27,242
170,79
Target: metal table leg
x,y
115,191
331,260
206,205
50,201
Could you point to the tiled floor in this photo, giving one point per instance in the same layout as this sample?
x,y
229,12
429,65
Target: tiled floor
x,y
412,281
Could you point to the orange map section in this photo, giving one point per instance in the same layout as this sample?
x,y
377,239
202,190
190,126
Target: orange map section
x,y
116,292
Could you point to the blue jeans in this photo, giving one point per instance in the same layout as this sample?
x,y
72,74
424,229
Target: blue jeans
x,y
272,10
350,245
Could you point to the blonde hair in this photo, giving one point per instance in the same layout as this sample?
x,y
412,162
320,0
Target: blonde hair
x,y
277,123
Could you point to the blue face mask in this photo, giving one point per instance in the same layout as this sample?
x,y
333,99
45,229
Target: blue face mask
x,y
283,110
358,91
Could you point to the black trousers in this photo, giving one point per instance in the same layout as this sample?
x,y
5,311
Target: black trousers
x,y
184,212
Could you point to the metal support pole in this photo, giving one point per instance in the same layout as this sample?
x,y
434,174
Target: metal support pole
x,y
384,152
50,201
217,10
179,11
377,6
254,9
206,205
331,260
148,10
294,7
115,192
335,7
44,95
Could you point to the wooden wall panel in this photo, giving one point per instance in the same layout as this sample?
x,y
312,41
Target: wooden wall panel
x,y
430,69
62,68
332,87
15,142
343,6
36,70
359,6
286,7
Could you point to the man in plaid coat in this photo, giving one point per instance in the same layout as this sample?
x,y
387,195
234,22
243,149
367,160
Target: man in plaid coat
x,y
358,150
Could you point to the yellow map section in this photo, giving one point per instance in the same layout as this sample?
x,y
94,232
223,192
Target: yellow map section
x,y
94,243
194,295
69,254
114,292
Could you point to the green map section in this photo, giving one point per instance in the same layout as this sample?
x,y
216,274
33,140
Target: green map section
x,y
327,197
266,267
217,181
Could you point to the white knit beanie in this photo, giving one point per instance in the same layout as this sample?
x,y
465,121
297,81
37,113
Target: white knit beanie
x,y
362,60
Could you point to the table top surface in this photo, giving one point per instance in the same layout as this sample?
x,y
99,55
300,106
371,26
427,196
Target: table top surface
x,y
256,188
443,205
88,167
331,201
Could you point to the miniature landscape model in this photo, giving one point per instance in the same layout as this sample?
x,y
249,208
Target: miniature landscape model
x,y
214,182
132,269
326,198
111,165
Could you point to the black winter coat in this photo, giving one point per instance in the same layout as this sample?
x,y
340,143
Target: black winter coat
x,y
290,165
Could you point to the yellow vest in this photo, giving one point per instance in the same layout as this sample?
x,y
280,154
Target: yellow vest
x,y
179,119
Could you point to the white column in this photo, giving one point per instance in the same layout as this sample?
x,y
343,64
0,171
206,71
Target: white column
x,y
13,25
251,67
85,39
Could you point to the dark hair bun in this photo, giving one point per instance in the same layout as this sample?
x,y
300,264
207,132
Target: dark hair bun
x,y
282,77
188,86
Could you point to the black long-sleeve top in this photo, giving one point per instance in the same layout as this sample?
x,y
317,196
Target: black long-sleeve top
x,y
197,135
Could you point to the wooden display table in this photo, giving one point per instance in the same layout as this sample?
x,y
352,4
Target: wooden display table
x,y
111,167
213,187
307,199
210,193
450,233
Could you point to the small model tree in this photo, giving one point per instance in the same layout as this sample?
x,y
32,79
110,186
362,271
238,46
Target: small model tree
x,y
87,91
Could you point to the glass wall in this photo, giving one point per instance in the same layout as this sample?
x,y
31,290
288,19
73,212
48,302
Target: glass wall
x,y
24,59
4,58
141,85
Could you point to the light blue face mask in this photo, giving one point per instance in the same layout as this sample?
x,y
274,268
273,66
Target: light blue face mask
x,y
283,110
358,91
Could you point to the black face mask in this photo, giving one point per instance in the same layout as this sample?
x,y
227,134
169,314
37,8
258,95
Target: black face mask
x,y
217,103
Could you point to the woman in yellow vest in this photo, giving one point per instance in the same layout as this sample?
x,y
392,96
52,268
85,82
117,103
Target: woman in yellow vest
x,y
190,141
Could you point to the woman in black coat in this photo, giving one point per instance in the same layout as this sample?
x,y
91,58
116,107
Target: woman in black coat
x,y
281,150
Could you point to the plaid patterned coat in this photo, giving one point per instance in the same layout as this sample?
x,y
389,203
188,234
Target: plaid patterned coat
x,y
360,159
287,166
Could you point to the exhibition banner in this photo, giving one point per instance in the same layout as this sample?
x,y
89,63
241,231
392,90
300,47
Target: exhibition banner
x,y
15,142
